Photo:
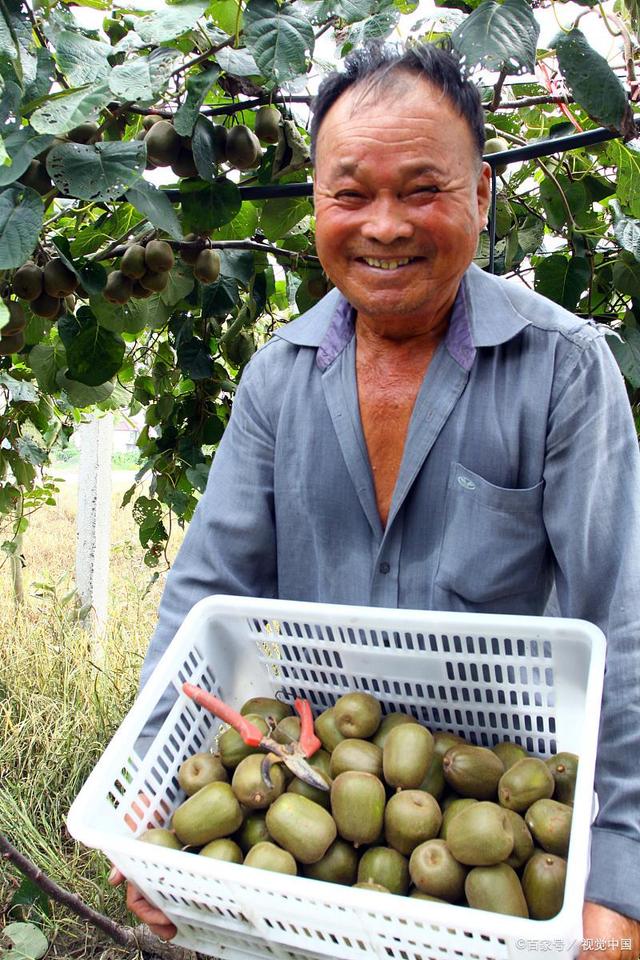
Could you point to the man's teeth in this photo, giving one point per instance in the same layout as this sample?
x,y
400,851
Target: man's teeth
x,y
387,264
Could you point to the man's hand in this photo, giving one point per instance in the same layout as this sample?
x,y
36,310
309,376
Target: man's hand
x,y
145,911
606,934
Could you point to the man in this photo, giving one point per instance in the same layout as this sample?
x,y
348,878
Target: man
x,y
432,437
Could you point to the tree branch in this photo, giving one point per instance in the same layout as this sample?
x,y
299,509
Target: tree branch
x,y
528,102
116,251
139,938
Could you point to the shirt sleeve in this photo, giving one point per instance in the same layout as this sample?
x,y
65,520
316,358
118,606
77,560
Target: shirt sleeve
x,y
230,544
592,516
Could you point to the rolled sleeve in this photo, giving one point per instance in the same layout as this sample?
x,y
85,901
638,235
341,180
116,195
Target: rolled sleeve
x,y
592,516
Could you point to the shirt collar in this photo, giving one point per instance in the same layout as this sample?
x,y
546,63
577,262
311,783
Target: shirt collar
x,y
483,315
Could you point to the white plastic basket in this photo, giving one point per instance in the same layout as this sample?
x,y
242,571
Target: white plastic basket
x,y
536,681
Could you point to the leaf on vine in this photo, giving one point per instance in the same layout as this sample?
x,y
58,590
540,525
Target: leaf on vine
x,y
20,390
281,39
22,145
168,23
81,59
211,206
562,279
65,110
21,218
279,216
47,360
239,63
45,75
498,37
99,171
143,78
376,27
194,359
626,230
219,298
155,205
626,275
81,395
239,264
627,353
180,283
94,355
198,86
29,942
593,83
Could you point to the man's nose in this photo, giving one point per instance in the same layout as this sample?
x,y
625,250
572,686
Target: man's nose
x,y
386,221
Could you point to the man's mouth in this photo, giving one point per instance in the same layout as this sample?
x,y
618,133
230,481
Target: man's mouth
x,y
387,264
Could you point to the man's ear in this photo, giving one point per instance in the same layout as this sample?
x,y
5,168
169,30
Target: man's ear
x,y
483,191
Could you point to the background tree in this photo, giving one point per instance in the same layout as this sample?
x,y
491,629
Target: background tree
x,y
119,294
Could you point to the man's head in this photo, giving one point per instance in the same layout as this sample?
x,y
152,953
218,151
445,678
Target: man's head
x,y
401,192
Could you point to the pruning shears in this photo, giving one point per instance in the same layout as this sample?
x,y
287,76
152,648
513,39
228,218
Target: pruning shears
x,y
293,755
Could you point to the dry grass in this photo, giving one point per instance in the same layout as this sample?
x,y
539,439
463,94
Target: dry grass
x,y
58,709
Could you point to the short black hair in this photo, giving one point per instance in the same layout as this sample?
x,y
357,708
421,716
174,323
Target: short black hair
x,y
373,63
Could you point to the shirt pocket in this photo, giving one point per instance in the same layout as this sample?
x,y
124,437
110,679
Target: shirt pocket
x,y
494,542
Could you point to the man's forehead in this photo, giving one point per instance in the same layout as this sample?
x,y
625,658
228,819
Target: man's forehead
x,y
349,167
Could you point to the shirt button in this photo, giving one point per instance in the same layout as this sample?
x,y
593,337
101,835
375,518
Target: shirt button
x,y
466,483
384,567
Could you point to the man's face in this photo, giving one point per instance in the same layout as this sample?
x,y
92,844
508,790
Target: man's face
x,y
400,199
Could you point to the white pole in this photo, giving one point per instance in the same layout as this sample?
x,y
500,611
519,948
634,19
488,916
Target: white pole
x,y
95,439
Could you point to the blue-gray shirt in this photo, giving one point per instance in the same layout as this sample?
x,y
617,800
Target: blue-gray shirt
x,y
520,473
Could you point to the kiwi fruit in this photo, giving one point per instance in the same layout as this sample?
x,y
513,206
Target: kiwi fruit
x,y
496,145
17,319
207,266
59,280
184,165
45,306
154,281
133,263
28,281
158,255
141,135
163,143
149,120
243,148
11,342
267,124
36,177
190,254
118,288
138,292
219,143
84,132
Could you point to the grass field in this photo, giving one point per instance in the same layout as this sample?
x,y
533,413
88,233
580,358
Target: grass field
x,y
58,709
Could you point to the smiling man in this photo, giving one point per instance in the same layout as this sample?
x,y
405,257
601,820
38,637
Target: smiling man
x,y
432,437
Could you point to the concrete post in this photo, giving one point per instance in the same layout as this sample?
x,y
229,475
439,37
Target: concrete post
x,y
95,439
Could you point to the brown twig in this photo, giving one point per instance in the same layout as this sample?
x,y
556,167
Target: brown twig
x,y
113,252
497,90
528,102
139,938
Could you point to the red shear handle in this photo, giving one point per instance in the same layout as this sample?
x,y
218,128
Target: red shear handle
x,y
308,741
251,735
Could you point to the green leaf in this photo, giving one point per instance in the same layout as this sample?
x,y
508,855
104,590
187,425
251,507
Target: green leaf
x,y
242,226
498,37
239,264
80,395
82,60
239,63
168,23
21,218
31,452
198,85
194,359
211,206
155,205
22,145
64,111
99,171
628,175
351,11
179,284
562,280
204,149
198,475
626,230
29,942
144,78
279,216
281,39
626,275
627,353
45,75
376,27
94,355
21,390
47,360
593,83
219,298
9,46
575,194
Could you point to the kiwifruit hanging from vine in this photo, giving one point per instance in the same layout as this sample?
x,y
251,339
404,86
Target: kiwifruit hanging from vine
x,y
149,120
28,281
496,145
158,256
184,165
207,266
36,177
17,320
84,132
11,342
45,306
243,148
118,288
267,124
163,143
189,254
138,292
133,262
59,281
219,143
141,134
154,280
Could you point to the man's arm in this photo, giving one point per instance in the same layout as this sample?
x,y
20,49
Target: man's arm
x,y
592,515
230,544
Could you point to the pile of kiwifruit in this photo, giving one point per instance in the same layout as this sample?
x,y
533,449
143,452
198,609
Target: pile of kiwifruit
x,y
238,146
144,269
44,289
407,812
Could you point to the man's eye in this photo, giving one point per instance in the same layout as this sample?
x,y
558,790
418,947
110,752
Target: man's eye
x,y
349,195
425,189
